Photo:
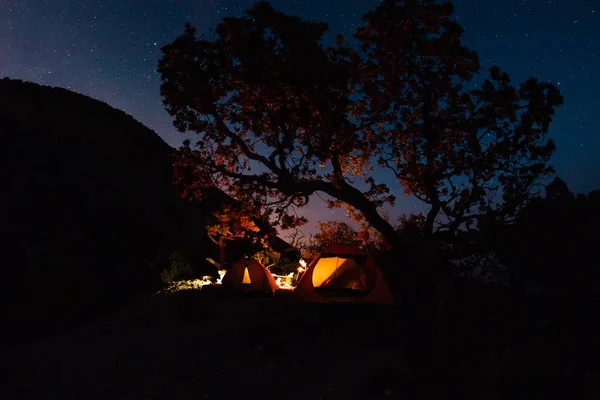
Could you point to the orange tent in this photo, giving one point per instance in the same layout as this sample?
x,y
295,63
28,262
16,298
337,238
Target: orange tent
x,y
249,276
343,274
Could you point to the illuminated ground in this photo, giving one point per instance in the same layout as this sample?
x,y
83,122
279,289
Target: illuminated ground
x,y
195,344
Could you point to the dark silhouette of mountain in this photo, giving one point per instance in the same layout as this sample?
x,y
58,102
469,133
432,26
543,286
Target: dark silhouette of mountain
x,y
88,213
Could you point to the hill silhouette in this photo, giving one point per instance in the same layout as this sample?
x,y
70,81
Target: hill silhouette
x,y
89,215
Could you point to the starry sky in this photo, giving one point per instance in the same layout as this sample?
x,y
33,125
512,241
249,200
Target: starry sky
x,y
108,49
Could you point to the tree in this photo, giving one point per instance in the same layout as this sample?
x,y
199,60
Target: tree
x,y
280,117
452,146
339,232
267,257
233,222
554,243
180,267
412,225
296,238
334,232
558,190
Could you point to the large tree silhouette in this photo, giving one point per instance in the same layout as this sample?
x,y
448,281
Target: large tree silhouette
x,y
451,146
279,117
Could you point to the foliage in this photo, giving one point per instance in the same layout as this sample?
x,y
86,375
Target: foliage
x,y
180,268
372,241
279,117
554,231
287,265
330,232
228,224
232,223
278,263
238,223
451,143
335,232
519,305
551,250
412,226
267,256
339,232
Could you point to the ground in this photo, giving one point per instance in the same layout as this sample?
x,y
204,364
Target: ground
x,y
200,344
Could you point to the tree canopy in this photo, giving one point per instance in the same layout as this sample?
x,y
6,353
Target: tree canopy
x,y
279,116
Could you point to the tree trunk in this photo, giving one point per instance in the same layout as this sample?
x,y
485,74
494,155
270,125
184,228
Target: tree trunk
x,y
454,226
356,199
430,220
222,254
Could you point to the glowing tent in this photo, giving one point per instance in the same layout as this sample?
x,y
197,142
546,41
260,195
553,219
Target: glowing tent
x,y
343,274
249,276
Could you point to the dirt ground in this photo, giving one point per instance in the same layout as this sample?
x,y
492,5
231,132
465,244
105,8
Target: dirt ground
x,y
203,345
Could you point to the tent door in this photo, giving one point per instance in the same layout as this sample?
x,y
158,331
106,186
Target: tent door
x,y
246,279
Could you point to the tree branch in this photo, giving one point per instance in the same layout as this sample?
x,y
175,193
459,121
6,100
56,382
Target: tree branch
x,y
242,144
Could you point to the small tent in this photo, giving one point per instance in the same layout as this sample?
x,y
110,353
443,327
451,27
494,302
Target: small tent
x,y
249,275
343,273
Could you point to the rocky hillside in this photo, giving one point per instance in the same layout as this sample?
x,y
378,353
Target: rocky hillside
x,y
88,212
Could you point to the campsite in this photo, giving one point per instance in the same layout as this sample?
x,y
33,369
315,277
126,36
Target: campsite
x,y
299,200
211,342
339,337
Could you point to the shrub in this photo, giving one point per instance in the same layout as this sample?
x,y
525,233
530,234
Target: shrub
x,y
179,268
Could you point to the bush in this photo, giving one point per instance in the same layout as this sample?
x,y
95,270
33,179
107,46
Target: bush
x,y
180,268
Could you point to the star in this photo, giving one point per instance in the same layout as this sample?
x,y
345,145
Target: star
x,y
109,50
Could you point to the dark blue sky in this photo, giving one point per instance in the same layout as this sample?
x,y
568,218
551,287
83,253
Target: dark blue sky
x,y
109,49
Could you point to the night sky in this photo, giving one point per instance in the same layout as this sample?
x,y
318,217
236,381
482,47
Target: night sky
x,y
109,49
